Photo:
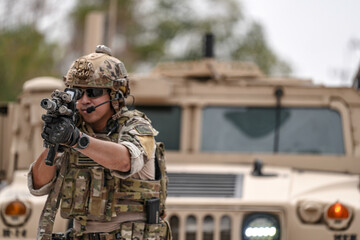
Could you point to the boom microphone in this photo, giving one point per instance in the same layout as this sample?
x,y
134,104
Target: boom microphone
x,y
92,108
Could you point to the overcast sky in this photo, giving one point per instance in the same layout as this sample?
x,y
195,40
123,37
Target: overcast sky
x,y
319,38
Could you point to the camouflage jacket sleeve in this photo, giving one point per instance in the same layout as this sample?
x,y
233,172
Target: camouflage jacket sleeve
x,y
44,190
137,135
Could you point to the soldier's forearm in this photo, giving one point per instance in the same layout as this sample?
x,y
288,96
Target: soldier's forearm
x,y
42,173
108,154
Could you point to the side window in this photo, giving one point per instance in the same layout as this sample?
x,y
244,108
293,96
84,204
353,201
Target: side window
x,y
166,120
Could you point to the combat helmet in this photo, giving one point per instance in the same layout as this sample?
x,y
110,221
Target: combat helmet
x,y
100,70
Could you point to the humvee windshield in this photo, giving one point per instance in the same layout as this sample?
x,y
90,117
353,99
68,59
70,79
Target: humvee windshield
x,y
253,129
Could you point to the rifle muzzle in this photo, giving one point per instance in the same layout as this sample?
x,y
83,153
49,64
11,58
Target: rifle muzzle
x,y
48,104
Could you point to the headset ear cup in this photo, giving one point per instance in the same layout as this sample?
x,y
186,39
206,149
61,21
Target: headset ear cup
x,y
119,96
123,86
117,100
127,87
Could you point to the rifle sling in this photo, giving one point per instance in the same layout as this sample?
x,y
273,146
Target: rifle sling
x,y
52,203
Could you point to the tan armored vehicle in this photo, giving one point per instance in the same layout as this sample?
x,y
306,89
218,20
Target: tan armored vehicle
x,y
254,157
248,156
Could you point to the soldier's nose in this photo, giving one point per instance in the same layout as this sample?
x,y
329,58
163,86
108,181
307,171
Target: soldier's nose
x,y
84,99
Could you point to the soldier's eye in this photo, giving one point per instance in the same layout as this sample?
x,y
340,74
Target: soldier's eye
x,y
95,92
92,92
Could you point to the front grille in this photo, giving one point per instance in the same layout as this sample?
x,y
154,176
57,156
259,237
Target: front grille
x,y
205,185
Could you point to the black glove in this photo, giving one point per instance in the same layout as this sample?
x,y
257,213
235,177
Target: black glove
x,y
59,130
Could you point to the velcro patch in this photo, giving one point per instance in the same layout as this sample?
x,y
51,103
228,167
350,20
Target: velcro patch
x,y
144,129
148,143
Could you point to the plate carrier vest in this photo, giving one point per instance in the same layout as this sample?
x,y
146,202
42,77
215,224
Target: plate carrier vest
x,y
90,192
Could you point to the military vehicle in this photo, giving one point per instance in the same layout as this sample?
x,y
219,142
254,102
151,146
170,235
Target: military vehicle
x,y
248,156
254,157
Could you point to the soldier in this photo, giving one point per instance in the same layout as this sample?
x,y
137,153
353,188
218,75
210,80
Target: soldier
x,y
105,176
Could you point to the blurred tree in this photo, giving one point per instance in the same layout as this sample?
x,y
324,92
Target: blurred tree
x,y
155,30
24,54
255,49
24,51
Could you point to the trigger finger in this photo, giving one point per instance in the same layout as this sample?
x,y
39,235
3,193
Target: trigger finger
x,y
47,118
44,135
47,130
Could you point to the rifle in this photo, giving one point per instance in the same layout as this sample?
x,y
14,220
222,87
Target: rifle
x,y
62,104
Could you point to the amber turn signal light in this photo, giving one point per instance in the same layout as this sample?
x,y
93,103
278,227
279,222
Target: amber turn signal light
x,y
338,211
15,208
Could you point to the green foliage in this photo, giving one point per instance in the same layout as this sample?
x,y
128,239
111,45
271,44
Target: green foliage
x,y
159,30
24,54
255,49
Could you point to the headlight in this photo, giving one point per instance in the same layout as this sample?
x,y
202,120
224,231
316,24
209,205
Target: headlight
x,y
15,213
260,226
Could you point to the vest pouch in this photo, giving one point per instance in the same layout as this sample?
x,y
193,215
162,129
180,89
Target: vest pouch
x,y
156,231
144,231
138,230
133,194
98,194
67,191
81,192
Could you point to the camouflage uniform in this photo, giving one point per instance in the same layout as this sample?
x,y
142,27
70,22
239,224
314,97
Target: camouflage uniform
x,y
94,195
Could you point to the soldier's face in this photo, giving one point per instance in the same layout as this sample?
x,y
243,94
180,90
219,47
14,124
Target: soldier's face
x,y
98,118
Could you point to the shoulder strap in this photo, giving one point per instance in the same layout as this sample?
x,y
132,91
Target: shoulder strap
x,y
51,206
127,114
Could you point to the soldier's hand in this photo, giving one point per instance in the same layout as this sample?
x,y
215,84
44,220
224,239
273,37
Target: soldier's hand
x,y
59,130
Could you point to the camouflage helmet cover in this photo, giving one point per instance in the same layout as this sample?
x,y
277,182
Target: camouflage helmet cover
x,y
100,70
